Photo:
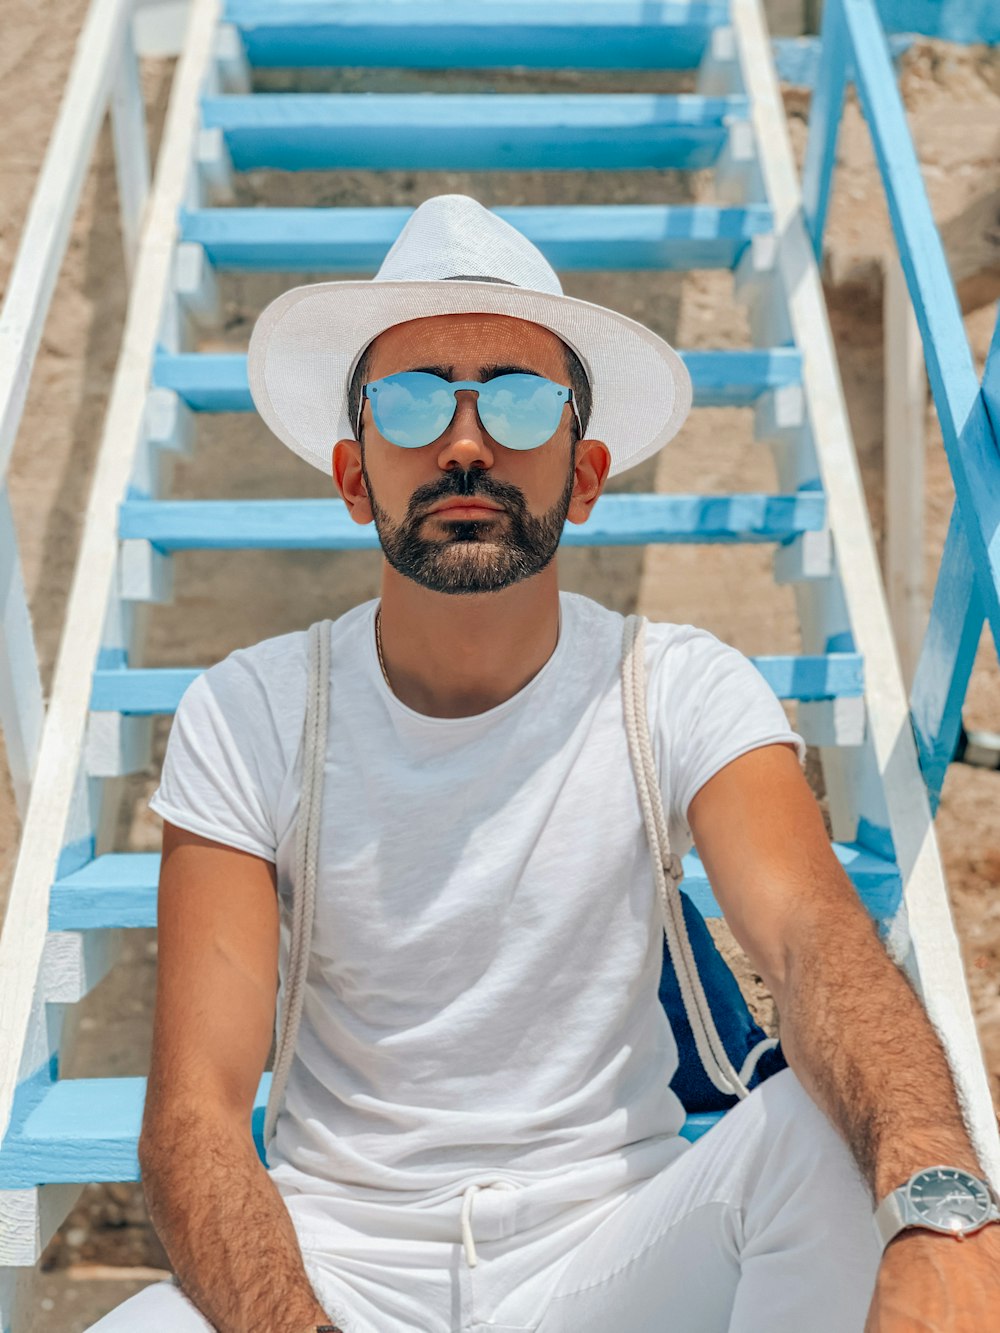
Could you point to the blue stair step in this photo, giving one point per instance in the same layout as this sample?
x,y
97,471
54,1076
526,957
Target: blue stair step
x,y
217,381
355,240
80,1130
143,691
477,34
119,888
477,132
616,520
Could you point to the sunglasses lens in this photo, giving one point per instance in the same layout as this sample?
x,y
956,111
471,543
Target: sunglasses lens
x,y
411,409
521,411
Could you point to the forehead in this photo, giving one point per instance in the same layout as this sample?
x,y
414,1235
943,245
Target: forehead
x,y
467,342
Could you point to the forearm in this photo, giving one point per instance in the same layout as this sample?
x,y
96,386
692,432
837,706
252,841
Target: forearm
x,y
859,1040
225,1227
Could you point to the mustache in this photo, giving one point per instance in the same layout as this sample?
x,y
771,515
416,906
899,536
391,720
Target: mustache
x,y
463,484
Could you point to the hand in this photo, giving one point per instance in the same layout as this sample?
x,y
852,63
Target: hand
x,y
930,1283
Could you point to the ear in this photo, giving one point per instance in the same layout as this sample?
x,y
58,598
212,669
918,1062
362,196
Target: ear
x,y
593,462
349,480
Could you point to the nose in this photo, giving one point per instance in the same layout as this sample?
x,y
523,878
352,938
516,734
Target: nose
x,y
465,444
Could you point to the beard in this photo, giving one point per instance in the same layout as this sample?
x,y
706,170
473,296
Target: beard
x,y
475,556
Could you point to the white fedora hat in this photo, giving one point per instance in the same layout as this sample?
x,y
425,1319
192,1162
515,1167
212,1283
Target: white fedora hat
x,y
454,256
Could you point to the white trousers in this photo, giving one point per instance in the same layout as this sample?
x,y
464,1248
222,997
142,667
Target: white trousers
x,y
762,1226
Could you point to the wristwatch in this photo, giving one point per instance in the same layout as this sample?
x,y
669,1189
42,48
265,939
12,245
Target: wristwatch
x,y
938,1198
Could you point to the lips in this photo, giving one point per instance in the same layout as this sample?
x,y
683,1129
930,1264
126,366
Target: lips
x,y
456,508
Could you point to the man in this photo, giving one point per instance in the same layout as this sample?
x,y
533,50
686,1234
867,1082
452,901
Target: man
x,y
478,1131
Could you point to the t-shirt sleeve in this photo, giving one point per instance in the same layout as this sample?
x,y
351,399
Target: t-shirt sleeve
x,y
709,705
224,762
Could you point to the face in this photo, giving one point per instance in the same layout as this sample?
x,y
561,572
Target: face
x,y
464,514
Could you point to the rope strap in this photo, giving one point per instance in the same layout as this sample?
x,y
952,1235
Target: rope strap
x,y
667,868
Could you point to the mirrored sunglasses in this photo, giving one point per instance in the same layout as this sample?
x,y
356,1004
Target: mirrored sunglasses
x,y
415,408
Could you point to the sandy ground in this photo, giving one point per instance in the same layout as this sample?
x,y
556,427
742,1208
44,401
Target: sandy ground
x,y
237,598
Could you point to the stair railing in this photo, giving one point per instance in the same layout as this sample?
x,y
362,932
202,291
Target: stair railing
x,y
104,78
967,592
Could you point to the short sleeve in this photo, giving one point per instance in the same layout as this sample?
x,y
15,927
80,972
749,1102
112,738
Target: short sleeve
x,y
224,762
708,705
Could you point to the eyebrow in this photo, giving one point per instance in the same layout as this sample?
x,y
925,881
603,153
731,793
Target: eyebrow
x,y
486,372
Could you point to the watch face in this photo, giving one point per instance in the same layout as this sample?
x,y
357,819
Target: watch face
x,y
948,1198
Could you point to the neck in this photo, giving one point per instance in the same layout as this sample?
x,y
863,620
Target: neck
x,y
449,655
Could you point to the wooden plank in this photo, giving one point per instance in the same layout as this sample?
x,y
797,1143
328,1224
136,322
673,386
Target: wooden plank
x,y
905,402
971,452
118,889
934,959
473,34
217,382
146,690
57,811
825,111
325,525
128,127
967,21
474,132
22,708
946,659
356,240
53,206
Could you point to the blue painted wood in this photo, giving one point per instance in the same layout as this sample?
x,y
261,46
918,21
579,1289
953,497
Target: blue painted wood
x,y
947,654
456,132
472,34
325,525
85,1130
825,112
951,20
149,690
355,240
797,59
217,382
119,888
968,435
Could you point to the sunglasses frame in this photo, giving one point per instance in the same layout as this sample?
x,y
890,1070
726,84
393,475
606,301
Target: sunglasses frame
x,y
455,386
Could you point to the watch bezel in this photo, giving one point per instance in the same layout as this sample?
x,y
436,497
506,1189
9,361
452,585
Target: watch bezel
x,y
974,1186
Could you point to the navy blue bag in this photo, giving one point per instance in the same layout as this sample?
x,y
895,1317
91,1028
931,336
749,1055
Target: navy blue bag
x,y
722,1051
740,1033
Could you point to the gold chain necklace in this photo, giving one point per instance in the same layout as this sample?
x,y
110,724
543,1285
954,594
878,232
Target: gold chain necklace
x,y
378,645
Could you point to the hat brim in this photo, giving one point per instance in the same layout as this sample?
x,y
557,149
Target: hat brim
x,y
306,343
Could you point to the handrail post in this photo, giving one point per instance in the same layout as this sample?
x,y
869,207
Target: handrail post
x,y
128,126
824,123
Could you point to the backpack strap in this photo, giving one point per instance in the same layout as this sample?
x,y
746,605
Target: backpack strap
x,y
306,851
667,867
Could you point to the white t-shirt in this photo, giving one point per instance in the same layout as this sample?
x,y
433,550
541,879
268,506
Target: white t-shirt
x,y
486,953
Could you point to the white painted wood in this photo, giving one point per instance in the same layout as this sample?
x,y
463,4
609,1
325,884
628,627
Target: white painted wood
x,y
128,127
117,745
232,72
159,26
53,791
807,557
905,403
196,286
936,956
29,1219
758,285
46,231
22,708
211,182
168,423
738,178
780,414
145,575
831,722
74,961
719,73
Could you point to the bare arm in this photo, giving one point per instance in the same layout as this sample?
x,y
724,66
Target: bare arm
x,y
852,1026
223,1224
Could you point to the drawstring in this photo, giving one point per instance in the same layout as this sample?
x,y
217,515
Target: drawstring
x,y
468,1240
